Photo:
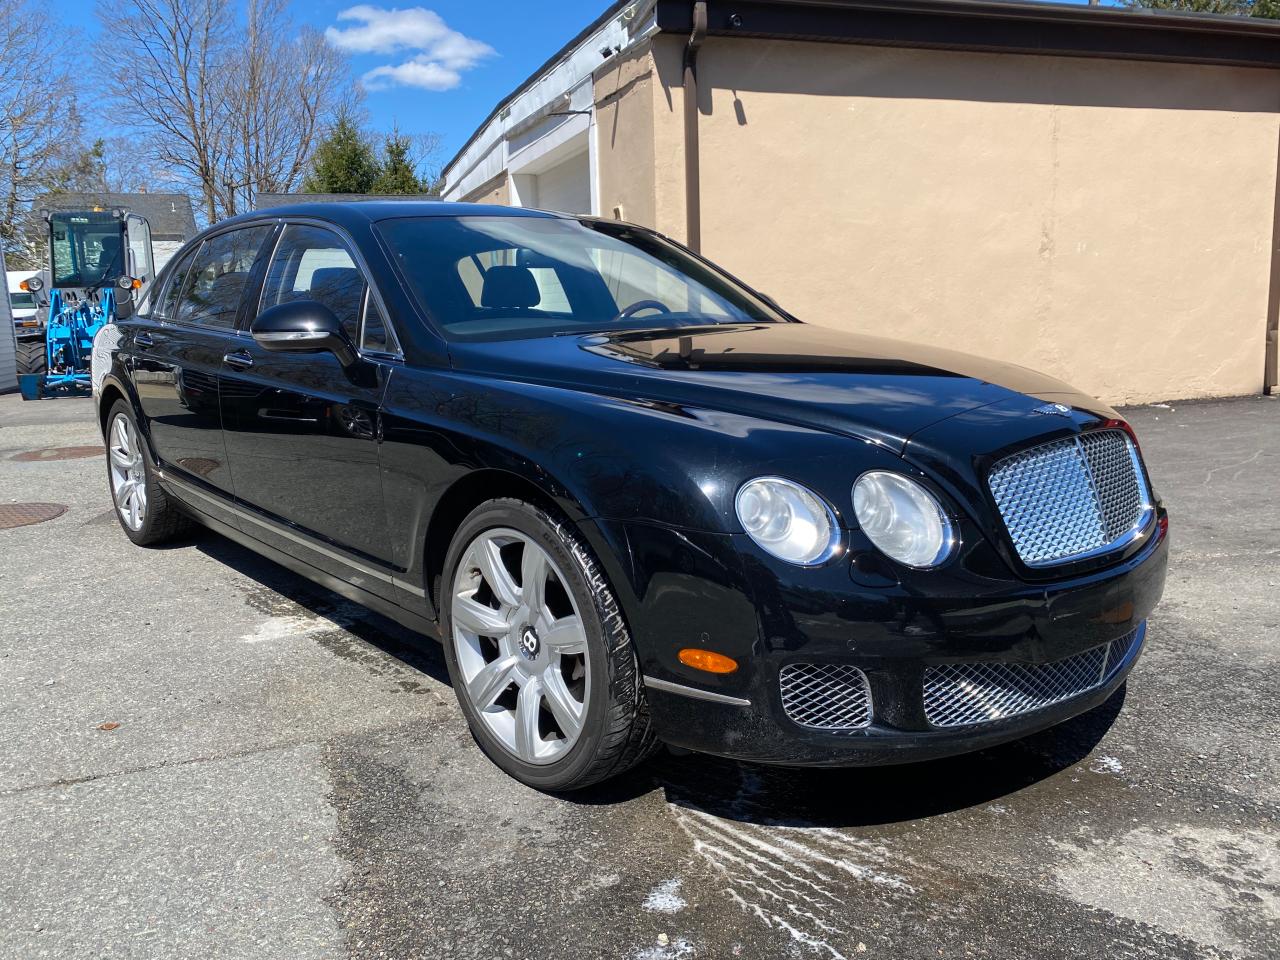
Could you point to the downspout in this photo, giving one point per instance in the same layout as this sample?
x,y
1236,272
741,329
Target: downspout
x,y
692,190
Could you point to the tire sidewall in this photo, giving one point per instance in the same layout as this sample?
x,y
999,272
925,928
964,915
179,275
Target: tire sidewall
x,y
144,534
541,528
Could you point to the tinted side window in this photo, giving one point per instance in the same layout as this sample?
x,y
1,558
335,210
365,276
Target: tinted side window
x,y
377,335
218,277
167,305
311,263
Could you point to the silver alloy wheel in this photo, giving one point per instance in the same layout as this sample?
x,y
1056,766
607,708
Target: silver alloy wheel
x,y
521,645
128,475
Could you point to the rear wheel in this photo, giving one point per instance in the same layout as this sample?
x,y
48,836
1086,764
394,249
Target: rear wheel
x,y
32,357
144,511
538,652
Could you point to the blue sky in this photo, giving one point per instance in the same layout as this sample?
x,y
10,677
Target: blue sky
x,y
521,36
435,66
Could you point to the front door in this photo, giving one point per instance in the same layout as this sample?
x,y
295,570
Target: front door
x,y
302,431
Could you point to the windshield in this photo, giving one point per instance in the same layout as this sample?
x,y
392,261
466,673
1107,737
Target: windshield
x,y
507,278
22,300
86,250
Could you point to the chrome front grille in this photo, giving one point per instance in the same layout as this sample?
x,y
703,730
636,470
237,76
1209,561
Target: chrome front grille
x,y
961,694
826,696
1071,498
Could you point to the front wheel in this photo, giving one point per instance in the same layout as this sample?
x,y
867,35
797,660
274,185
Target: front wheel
x,y
538,652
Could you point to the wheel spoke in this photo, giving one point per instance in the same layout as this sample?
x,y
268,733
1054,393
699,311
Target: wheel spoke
x,y
121,459
135,515
566,637
486,686
495,573
472,615
527,706
533,577
121,432
566,710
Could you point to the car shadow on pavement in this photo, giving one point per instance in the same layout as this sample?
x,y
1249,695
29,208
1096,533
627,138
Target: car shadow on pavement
x,y
862,796
407,646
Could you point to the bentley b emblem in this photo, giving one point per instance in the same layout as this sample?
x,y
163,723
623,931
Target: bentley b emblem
x,y
1053,410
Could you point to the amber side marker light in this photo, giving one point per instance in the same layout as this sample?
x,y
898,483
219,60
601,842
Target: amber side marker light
x,y
707,660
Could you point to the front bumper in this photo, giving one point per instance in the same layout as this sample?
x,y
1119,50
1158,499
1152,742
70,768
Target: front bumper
x,y
717,592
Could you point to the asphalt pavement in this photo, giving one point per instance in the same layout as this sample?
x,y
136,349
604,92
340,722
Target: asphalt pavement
x,y
205,756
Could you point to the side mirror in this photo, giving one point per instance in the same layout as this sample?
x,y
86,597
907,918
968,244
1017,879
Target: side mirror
x,y
303,326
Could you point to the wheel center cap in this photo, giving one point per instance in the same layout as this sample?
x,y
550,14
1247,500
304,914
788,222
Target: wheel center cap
x,y
529,644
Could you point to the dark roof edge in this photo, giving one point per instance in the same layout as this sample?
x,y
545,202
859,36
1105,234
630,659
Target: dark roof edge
x,y
1051,29
614,10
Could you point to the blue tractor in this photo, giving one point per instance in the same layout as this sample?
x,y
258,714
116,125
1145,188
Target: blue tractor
x,y
97,259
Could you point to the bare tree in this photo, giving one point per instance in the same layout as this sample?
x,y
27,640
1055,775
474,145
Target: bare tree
x,y
229,102
291,83
174,84
39,124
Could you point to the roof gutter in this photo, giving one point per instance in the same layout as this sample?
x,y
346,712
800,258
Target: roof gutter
x,y
692,171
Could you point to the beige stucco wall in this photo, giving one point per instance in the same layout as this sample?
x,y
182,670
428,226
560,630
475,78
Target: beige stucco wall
x,y
1107,222
497,190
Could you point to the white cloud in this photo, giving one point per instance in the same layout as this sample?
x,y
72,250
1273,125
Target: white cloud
x,y
442,53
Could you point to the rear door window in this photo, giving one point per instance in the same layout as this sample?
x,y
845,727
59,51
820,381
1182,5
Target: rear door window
x,y
218,276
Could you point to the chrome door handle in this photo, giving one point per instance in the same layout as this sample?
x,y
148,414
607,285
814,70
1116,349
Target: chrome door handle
x,y
240,360
143,340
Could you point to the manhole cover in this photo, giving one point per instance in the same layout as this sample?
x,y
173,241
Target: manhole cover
x,y
25,514
200,466
59,453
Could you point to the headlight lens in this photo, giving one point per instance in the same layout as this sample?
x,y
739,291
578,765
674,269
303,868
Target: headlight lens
x,y
786,519
903,519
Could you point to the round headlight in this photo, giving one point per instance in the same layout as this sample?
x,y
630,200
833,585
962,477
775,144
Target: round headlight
x,y
903,519
786,519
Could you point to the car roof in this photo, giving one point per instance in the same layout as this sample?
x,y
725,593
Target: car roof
x,y
354,212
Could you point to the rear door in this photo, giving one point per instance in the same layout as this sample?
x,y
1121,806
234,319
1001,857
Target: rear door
x,y
175,354
302,432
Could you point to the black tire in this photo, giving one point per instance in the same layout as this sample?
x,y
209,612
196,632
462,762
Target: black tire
x,y
162,521
616,733
32,357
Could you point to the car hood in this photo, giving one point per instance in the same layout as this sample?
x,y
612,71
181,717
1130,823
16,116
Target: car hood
x,y
873,388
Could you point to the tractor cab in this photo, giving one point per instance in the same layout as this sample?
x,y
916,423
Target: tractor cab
x,y
90,251
98,259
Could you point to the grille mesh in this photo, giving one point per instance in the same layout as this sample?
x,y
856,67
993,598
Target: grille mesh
x,y
826,696
1070,497
960,694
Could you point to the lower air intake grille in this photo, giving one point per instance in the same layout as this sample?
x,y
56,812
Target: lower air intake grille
x,y
960,694
826,696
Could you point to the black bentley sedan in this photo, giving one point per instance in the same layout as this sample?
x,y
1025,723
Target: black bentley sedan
x,y
637,501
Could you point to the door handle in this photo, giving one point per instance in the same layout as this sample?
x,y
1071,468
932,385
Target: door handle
x,y
240,360
143,340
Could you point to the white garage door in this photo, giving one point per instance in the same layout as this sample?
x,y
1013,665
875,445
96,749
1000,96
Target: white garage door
x,y
566,187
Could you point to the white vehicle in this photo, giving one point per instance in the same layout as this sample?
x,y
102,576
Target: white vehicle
x,y
25,307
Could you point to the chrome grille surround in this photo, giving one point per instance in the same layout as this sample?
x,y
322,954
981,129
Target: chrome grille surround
x,y
1072,498
963,694
825,696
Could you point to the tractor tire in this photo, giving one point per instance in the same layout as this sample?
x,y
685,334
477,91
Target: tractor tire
x,y
32,357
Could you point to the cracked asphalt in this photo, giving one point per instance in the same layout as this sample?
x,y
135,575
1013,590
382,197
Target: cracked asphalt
x,y
205,756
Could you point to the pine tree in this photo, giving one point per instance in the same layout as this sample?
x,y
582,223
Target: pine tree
x,y
1247,8
344,162
398,175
